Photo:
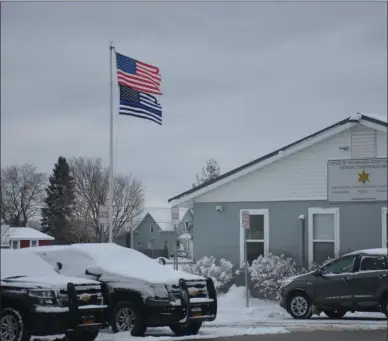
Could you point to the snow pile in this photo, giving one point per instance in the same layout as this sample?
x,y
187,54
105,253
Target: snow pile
x,y
268,272
221,274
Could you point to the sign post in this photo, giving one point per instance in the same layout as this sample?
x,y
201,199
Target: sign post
x,y
175,222
245,226
103,218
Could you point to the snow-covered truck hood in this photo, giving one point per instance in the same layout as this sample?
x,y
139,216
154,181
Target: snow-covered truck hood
x,y
158,274
53,282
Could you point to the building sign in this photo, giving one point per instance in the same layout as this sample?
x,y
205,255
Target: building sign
x,y
245,220
357,180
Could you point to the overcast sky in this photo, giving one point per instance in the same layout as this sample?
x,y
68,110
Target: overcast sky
x,y
239,80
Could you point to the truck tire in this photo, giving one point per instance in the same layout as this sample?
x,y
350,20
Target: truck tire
x,y
127,317
82,335
12,326
186,329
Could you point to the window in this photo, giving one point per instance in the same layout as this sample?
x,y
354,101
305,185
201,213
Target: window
x,y
340,266
186,226
257,235
373,263
323,234
152,229
384,223
165,244
33,243
15,244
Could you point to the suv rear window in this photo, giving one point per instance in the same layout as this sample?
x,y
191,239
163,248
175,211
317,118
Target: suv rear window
x,y
373,263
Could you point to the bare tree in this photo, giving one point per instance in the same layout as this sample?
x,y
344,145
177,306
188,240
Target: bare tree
x,y
208,173
92,190
22,192
5,235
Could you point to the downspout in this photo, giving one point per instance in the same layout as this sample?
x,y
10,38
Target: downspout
x,y
301,243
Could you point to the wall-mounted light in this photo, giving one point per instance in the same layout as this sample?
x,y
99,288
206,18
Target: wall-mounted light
x,y
219,208
301,217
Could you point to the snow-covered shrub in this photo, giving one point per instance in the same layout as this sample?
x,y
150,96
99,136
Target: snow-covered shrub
x,y
266,274
221,274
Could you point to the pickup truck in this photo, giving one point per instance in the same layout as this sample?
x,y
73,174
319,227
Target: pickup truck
x,y
143,292
38,301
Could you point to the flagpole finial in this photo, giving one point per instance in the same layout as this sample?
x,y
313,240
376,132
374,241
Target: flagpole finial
x,y
111,46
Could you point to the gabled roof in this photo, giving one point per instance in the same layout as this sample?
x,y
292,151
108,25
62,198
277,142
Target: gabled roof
x,y
161,216
22,233
367,118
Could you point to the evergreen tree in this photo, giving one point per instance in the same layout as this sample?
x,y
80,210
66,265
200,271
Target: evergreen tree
x,y
59,203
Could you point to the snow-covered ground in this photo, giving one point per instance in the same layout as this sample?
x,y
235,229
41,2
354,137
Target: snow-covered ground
x,y
262,317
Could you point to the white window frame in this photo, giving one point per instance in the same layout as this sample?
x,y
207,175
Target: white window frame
x,y
318,210
384,237
15,241
37,243
265,213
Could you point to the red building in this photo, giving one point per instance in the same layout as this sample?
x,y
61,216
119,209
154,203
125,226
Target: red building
x,y
22,237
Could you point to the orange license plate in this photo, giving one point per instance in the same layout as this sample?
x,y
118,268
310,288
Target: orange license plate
x,y
197,314
89,321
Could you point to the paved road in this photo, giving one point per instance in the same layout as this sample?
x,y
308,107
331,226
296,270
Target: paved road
x,y
359,335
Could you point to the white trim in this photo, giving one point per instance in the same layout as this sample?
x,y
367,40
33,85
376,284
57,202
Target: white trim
x,y
292,150
34,240
265,213
374,126
319,210
384,237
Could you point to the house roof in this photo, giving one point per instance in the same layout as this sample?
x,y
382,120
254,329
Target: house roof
x,y
161,215
22,233
374,119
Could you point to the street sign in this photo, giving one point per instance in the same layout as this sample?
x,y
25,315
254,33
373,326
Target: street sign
x,y
245,220
175,215
103,214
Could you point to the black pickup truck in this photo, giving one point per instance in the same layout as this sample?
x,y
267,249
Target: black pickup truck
x,y
143,292
35,300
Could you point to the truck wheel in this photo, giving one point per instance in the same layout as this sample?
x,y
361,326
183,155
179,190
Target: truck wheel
x,y
127,317
82,335
384,304
335,313
186,328
12,327
299,306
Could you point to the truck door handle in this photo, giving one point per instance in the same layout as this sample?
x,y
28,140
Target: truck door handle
x,y
382,276
346,278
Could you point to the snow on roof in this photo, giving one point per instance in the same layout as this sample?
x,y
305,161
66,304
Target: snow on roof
x,y
15,263
185,236
22,233
378,252
161,215
382,118
117,260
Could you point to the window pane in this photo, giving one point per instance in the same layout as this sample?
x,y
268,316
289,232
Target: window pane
x,y
323,226
322,251
341,265
256,227
254,250
371,263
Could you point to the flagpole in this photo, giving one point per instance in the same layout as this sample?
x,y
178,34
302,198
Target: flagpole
x,y
111,177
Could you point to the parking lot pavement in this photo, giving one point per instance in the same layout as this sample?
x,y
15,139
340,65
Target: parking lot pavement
x,y
370,335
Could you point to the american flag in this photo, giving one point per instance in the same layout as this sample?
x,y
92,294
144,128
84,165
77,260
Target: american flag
x,y
138,75
139,104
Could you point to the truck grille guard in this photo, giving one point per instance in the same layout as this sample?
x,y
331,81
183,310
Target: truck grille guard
x,y
194,297
72,298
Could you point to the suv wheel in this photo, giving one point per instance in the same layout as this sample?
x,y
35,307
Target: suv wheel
x,y
384,304
82,335
335,313
299,306
12,327
126,317
184,329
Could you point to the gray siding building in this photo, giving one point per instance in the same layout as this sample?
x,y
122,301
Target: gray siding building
x,y
316,198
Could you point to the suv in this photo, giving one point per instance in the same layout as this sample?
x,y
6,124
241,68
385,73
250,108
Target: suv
x,y
36,300
143,292
357,281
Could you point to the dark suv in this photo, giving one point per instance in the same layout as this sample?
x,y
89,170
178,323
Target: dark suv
x,y
357,281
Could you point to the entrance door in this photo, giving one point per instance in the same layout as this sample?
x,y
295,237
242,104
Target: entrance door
x,y
257,242
384,225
